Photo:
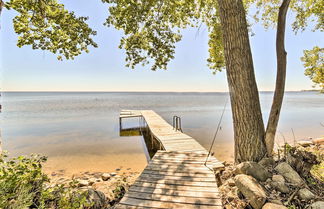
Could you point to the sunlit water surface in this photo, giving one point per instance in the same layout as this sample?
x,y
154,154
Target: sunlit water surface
x,y
80,131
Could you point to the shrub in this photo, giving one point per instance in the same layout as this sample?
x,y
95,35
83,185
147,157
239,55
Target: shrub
x,y
24,185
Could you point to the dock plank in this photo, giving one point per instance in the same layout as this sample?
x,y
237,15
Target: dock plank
x,y
175,177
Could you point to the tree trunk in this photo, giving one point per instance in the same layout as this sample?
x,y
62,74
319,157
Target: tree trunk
x,y
281,78
1,6
246,110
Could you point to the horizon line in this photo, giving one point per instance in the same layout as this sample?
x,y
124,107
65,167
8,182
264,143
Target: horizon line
x,y
53,91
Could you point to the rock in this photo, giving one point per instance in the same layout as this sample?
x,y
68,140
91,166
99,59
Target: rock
x,y
252,169
251,189
97,198
278,178
228,207
231,182
105,176
305,143
305,194
83,183
317,205
113,174
289,173
270,205
92,181
278,182
266,162
97,174
277,202
318,141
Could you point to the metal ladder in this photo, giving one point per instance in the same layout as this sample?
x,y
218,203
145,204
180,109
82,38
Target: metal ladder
x,y
176,123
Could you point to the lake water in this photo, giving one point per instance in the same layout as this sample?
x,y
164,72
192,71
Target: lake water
x,y
80,131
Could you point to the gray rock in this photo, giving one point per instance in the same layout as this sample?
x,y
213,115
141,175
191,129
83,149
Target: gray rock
x,y
305,194
305,143
266,162
98,199
113,174
83,183
270,205
251,189
278,182
105,176
317,205
278,178
252,169
289,173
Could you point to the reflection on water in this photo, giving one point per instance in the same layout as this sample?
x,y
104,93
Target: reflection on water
x,y
81,130
150,144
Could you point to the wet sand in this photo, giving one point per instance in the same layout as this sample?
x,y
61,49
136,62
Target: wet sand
x,y
73,165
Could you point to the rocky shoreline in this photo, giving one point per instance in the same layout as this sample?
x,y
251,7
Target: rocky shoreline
x,y
105,189
292,179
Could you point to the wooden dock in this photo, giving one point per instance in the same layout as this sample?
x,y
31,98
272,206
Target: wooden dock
x,y
176,177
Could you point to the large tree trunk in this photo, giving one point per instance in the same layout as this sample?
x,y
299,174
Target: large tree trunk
x,y
1,6
281,78
246,110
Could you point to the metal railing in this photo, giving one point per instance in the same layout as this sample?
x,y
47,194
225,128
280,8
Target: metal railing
x,y
176,123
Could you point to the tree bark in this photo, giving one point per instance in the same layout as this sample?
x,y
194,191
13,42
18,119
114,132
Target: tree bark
x,y
246,110
281,78
1,6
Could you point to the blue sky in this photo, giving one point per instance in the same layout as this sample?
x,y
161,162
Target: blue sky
x,y
24,69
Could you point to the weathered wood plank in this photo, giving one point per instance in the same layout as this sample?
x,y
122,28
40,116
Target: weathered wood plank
x,y
176,177
180,178
175,198
184,174
161,204
182,193
175,187
176,182
122,206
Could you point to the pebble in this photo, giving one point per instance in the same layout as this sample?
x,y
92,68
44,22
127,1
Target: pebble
x,y
83,183
105,176
92,181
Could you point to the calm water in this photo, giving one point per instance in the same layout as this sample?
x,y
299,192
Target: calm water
x,y
80,131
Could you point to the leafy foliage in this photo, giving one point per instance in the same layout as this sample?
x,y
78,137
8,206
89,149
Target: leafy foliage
x,y
152,28
305,11
23,185
314,65
47,25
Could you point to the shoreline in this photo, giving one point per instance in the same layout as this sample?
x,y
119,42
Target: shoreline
x,y
124,164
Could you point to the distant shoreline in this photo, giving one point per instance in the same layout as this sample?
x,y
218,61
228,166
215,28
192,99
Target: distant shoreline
x,y
188,92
